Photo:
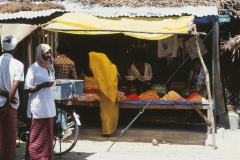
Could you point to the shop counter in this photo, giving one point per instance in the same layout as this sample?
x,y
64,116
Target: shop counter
x,y
140,104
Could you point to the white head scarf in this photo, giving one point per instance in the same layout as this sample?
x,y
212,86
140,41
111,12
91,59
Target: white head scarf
x,y
42,49
9,43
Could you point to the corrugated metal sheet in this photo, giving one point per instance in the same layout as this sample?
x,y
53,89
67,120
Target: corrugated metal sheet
x,y
28,14
111,12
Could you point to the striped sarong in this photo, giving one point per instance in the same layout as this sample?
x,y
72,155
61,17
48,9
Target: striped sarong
x,y
40,142
8,131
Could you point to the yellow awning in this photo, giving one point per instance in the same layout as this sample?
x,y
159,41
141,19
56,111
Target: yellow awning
x,y
142,28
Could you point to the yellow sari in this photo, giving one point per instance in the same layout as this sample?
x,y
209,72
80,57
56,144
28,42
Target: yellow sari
x,y
105,72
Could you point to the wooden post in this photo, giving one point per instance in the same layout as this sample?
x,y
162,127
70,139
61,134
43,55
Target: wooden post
x,y
55,43
208,88
218,91
29,50
202,115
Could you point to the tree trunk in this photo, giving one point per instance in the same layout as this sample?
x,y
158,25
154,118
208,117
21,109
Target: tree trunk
x,y
218,91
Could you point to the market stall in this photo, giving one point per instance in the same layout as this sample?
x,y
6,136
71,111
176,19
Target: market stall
x,y
143,28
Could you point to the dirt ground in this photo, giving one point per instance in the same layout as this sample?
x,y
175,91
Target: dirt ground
x,y
177,138
227,148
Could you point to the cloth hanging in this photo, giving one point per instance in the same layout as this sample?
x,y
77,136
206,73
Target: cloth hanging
x,y
105,72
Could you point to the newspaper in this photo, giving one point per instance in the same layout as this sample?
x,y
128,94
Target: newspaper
x,y
192,49
167,47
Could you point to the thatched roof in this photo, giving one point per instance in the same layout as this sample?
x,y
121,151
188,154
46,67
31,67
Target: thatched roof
x,y
13,6
155,3
28,6
140,3
137,3
232,44
233,6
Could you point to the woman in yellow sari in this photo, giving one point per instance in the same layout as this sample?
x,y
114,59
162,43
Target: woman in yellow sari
x,y
105,72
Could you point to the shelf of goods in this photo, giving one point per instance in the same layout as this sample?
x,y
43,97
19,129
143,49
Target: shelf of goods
x,y
170,101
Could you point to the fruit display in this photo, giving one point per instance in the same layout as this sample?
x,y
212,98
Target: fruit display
x,y
124,98
133,97
196,97
149,95
172,96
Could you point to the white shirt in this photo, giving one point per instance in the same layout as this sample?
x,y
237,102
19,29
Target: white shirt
x,y
165,52
10,70
147,71
40,104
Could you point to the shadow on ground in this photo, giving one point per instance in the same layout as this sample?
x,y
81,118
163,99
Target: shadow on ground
x,y
69,156
75,156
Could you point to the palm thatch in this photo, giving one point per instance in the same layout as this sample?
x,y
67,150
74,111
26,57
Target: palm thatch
x,y
233,6
28,6
155,3
140,3
11,6
232,44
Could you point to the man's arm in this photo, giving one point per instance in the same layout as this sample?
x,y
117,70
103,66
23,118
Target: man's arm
x,y
4,94
193,80
3,110
74,73
13,90
39,87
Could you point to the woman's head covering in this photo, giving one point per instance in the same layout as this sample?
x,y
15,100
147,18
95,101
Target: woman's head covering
x,y
105,72
9,43
42,49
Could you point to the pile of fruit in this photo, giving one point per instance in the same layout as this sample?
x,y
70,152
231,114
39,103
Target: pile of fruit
x,y
172,96
124,98
149,95
196,97
133,97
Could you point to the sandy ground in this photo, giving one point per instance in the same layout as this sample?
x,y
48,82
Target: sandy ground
x,y
228,147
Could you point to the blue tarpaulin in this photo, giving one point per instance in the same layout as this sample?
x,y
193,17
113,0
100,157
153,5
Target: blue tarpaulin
x,y
165,102
203,20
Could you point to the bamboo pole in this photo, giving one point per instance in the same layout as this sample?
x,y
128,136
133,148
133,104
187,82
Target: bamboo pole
x,y
208,88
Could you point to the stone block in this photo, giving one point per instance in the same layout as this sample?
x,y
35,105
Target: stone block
x,y
230,120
